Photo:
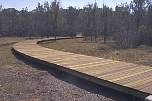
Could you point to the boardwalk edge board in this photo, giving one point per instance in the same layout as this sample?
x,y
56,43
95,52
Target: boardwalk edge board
x,y
93,79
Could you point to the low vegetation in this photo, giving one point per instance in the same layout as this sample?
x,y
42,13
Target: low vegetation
x,y
6,56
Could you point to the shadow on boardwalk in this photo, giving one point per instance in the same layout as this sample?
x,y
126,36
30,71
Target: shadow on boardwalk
x,y
81,83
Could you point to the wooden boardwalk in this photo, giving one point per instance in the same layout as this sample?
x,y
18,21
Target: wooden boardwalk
x,y
125,77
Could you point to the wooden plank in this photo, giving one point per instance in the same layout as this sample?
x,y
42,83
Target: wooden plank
x,y
102,68
140,71
128,72
71,63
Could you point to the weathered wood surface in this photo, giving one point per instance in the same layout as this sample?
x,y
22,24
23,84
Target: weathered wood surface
x,y
127,77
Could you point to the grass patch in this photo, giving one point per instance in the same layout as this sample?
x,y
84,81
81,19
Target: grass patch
x,y
6,56
13,72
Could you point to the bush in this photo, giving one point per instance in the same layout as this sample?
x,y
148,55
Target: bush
x,y
129,39
146,34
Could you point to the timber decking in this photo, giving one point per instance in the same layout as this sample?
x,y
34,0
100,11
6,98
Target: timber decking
x,y
126,77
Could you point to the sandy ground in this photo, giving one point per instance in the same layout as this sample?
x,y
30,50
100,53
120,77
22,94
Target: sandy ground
x,y
26,81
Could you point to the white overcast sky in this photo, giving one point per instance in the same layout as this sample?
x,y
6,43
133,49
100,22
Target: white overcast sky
x,y
31,4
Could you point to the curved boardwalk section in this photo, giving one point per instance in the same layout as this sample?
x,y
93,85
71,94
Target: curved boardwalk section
x,y
125,77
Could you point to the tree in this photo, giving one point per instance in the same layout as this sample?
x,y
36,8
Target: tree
x,y
129,25
147,29
94,24
86,21
71,18
138,7
55,14
90,21
105,16
0,19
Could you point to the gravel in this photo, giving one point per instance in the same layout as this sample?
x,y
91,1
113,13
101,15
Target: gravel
x,y
20,83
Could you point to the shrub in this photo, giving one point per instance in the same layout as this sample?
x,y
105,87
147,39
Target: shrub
x,y
128,39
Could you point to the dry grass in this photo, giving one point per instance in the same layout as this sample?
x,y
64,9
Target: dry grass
x,y
6,56
13,72
140,55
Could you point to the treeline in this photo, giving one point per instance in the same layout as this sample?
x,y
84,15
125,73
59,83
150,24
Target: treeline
x,y
129,25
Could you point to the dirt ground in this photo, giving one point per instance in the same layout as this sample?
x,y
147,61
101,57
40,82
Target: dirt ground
x,y
26,81
140,55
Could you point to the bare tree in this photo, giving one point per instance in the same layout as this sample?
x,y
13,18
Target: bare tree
x,y
138,7
55,14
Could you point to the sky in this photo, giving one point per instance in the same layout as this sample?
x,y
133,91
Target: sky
x,y
31,4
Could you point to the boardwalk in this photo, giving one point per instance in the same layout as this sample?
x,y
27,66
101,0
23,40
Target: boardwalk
x,y
125,77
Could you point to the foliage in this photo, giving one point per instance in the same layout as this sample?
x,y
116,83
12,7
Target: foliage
x,y
129,25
